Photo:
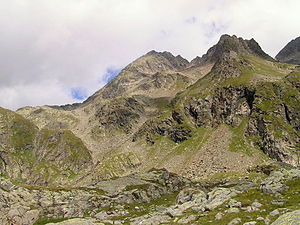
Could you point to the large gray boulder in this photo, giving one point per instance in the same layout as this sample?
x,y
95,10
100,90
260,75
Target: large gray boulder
x,y
292,218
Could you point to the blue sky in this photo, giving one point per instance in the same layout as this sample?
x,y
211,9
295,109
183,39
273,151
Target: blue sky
x,y
62,51
79,93
111,73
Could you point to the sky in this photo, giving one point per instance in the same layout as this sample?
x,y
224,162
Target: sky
x,y
62,51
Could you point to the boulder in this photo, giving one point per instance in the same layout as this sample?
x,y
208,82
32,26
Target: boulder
x,y
288,218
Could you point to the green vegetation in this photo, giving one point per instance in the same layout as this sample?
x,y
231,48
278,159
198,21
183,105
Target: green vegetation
x,y
255,69
198,137
22,131
45,220
73,146
234,176
117,165
165,149
238,141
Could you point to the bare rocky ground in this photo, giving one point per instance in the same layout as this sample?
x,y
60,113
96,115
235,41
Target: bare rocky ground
x,y
158,197
216,157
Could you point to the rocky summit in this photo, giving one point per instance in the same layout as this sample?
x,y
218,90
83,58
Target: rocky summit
x,y
211,141
290,53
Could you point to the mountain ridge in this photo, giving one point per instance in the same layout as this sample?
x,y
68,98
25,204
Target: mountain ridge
x,y
177,63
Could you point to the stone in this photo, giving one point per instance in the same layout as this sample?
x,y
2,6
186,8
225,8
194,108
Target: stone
x,y
151,219
251,209
274,183
256,204
234,203
191,194
188,219
235,221
232,210
219,216
277,202
30,217
250,223
218,196
274,213
260,218
288,218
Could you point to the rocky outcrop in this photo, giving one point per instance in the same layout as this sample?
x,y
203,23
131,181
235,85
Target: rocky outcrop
x,y
226,104
275,183
120,113
275,119
290,53
271,111
168,127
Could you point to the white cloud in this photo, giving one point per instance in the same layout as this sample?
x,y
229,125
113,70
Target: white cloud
x,y
50,47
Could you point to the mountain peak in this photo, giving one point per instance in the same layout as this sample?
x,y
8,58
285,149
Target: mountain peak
x,y
139,75
290,53
228,44
153,62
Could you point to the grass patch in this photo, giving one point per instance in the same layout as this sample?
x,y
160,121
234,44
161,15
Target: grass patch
x,y
238,142
45,220
22,131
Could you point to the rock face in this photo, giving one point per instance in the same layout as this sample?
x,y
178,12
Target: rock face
x,y
290,53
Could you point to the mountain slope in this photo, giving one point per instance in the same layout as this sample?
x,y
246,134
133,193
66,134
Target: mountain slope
x,y
38,156
290,53
161,111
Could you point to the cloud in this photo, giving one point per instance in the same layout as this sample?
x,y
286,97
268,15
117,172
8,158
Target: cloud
x,y
191,20
50,47
213,29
